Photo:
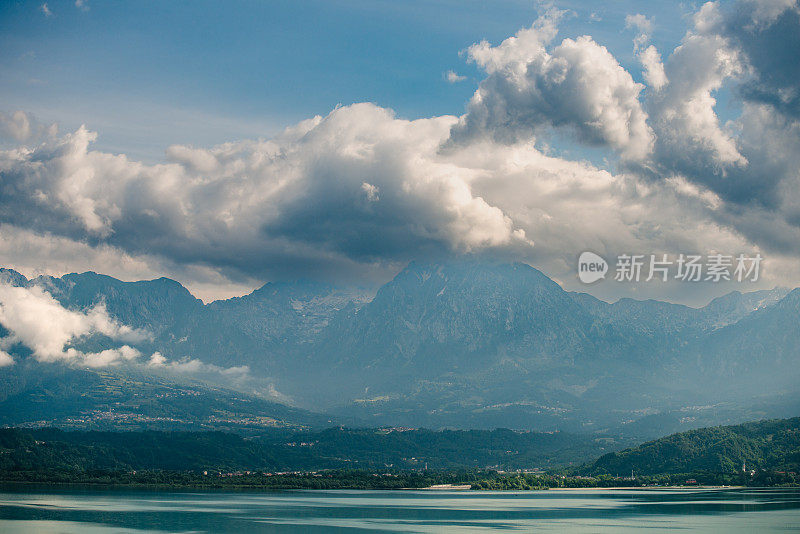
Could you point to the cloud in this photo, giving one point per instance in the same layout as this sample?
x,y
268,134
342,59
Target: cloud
x,y
766,12
371,191
750,163
36,320
24,128
766,33
577,85
237,377
683,116
83,5
33,254
654,73
640,22
763,200
648,55
53,334
197,368
452,77
570,206
293,199
45,10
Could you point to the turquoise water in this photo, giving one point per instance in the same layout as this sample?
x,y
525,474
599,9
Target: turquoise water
x,y
667,510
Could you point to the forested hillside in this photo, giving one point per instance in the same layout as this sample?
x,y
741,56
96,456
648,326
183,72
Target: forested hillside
x,y
52,449
772,445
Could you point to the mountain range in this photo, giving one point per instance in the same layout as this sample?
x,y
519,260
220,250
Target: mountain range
x,y
460,344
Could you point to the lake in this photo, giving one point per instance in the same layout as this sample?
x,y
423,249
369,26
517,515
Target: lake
x,y
136,511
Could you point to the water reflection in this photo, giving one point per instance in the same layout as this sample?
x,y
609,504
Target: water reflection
x,y
87,511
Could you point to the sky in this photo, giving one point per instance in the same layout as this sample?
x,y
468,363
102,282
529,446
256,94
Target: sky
x,y
227,144
151,74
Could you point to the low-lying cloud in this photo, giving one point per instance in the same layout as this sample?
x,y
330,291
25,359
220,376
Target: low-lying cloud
x,y
34,320
196,367
37,321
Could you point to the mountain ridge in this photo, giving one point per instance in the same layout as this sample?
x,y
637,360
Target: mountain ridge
x,y
464,343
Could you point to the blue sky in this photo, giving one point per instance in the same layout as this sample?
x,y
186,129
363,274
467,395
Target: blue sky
x,y
150,74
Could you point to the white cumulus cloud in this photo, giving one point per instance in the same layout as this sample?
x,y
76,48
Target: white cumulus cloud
x,y
24,128
683,113
38,321
648,55
577,85
238,204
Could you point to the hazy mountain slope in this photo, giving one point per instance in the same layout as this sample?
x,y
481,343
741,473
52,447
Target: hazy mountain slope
x,y
474,344
763,347
282,312
260,329
471,344
158,305
12,277
265,328
729,308
36,395
459,317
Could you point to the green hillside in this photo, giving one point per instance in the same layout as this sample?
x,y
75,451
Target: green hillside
x,y
771,445
41,450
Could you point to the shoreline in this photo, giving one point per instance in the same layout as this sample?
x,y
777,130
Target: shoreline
x,y
693,486
433,488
